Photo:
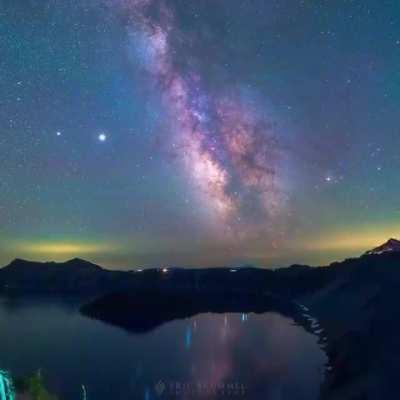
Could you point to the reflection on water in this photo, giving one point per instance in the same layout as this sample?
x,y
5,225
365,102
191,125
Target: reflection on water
x,y
242,356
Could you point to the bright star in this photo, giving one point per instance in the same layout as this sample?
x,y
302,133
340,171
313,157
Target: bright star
x,y
102,137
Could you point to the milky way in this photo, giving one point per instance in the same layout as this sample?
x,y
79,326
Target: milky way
x,y
230,153
235,131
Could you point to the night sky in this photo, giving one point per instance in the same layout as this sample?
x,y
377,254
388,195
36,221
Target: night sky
x,y
198,133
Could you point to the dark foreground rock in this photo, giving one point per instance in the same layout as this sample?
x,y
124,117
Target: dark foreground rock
x,y
360,315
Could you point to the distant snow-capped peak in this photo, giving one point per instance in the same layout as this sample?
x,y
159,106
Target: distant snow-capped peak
x,y
392,245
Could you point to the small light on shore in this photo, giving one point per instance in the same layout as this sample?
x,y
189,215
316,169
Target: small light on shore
x,y
232,270
164,270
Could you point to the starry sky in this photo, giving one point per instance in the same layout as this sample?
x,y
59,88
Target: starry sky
x,y
198,133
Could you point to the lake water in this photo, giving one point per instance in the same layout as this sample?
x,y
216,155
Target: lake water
x,y
210,356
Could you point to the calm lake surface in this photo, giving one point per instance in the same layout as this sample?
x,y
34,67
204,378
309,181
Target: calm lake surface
x,y
210,356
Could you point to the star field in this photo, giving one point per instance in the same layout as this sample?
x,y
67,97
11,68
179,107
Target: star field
x,y
158,132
